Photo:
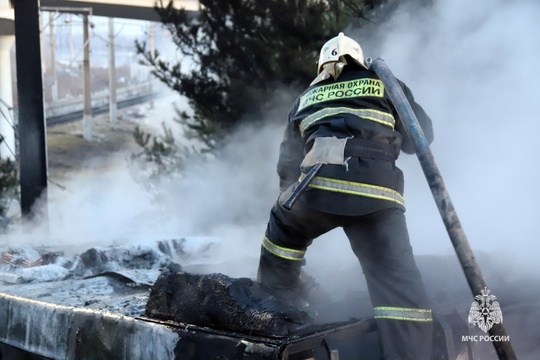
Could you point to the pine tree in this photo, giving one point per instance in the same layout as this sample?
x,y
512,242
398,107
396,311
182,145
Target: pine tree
x,y
9,189
243,50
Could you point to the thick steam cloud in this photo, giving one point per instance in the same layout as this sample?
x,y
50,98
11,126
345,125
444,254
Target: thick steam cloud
x,y
471,66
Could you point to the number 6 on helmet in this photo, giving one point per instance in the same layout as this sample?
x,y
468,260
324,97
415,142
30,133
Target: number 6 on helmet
x,y
336,48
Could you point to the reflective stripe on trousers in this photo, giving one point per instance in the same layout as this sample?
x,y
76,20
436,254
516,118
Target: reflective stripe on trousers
x,y
283,252
398,313
355,188
380,117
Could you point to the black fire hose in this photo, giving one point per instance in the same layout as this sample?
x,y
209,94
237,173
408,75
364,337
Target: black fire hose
x,y
442,198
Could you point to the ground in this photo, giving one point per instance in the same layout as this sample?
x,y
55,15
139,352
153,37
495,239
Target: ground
x,y
69,152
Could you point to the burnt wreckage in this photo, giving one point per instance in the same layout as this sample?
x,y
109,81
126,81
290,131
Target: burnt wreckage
x,y
140,302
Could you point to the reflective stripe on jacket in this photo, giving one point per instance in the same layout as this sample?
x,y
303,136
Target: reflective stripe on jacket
x,y
404,314
355,106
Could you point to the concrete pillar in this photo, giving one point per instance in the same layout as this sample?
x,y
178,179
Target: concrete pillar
x,y
7,147
152,39
42,43
71,47
112,74
52,47
87,113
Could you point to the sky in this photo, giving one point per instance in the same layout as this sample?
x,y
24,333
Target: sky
x,y
470,65
68,33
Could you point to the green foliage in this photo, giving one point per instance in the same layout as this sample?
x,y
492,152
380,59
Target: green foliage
x,y
160,157
9,189
235,55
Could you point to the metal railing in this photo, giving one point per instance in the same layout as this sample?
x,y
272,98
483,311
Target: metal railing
x,y
72,109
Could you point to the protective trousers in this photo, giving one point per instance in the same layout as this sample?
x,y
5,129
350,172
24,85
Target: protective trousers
x,y
381,243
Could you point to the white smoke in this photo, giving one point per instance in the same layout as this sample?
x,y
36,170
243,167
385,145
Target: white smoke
x,y
470,65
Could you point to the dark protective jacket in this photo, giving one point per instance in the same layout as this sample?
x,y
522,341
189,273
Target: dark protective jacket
x,y
355,106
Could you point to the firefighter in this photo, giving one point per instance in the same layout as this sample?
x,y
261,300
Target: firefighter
x,y
346,121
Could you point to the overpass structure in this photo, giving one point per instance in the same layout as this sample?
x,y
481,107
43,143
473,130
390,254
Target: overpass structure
x,y
128,9
20,24
125,9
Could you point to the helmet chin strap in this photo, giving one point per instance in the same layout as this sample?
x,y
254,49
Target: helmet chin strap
x,y
333,69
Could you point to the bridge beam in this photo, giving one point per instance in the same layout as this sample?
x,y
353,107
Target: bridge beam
x,y
138,10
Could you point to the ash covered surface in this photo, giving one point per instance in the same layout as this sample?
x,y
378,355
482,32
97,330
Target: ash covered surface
x,y
119,279
115,278
221,302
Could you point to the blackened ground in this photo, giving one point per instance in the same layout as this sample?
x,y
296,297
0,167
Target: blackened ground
x,y
517,292
222,302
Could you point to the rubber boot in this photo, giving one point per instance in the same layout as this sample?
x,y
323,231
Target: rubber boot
x,y
281,277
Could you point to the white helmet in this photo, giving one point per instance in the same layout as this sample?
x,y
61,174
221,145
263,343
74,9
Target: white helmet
x,y
337,47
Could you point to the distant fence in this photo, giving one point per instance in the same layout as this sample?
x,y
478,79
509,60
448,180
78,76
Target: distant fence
x,y
72,109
